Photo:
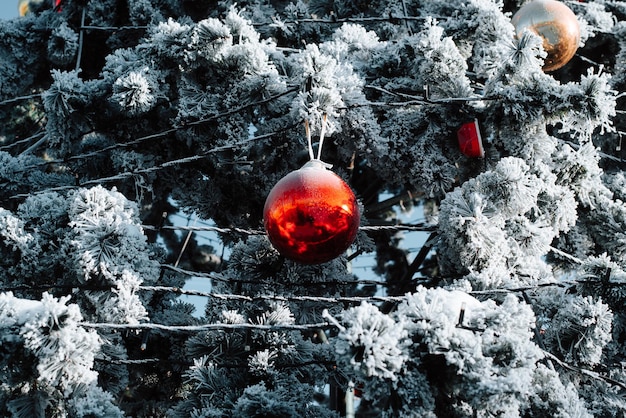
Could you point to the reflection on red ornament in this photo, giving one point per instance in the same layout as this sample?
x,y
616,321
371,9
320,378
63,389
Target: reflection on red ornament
x,y
470,141
311,215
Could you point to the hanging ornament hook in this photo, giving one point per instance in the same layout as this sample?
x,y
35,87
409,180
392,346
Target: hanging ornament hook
x,y
307,130
322,133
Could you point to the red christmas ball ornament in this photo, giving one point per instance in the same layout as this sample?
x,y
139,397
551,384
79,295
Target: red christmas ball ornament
x,y
556,24
311,215
470,141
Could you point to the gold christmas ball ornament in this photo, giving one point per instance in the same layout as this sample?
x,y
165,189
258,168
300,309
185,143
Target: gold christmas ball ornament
x,y
23,7
556,24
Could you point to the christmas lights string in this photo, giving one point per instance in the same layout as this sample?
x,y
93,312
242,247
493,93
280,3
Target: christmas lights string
x,y
184,125
330,323
292,298
221,278
322,299
410,101
196,157
181,161
277,22
150,326
318,327
413,100
279,298
420,227
339,21
328,300
280,365
341,300
332,300
133,173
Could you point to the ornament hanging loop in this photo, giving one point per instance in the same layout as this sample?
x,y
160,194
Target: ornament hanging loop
x,y
322,133
307,130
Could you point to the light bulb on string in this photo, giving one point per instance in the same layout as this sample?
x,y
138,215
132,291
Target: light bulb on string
x,y
311,215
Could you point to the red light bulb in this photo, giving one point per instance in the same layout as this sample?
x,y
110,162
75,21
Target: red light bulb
x,y
311,215
470,141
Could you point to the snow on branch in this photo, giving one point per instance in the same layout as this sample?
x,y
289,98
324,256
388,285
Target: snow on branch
x,y
49,334
207,110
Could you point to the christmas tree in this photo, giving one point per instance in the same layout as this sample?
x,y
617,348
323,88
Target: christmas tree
x,y
479,272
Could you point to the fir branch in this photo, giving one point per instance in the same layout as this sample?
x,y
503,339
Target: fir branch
x,y
166,132
387,204
22,141
600,153
566,255
589,373
242,108
34,146
426,99
20,98
129,174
